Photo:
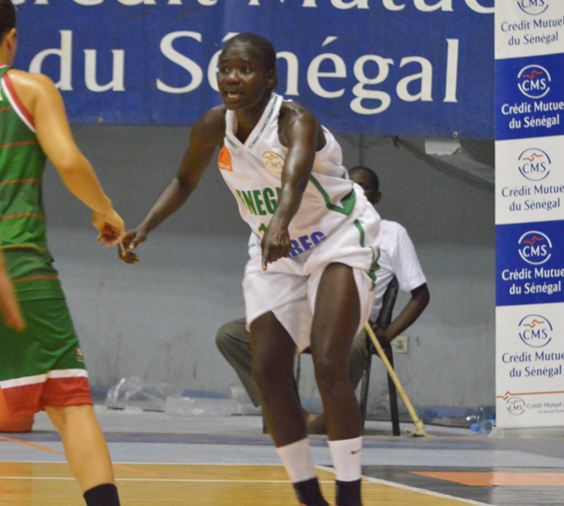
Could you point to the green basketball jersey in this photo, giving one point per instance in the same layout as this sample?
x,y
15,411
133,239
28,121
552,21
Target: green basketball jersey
x,y
22,218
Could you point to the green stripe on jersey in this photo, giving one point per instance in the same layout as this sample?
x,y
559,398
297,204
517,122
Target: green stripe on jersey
x,y
348,201
374,265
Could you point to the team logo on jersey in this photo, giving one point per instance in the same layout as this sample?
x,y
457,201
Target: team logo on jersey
x,y
534,164
534,81
224,160
272,161
79,355
535,330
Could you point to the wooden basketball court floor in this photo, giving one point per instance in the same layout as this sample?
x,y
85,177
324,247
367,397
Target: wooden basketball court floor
x,y
227,461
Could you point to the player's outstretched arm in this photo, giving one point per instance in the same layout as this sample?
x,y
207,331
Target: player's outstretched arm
x,y
44,102
8,302
206,135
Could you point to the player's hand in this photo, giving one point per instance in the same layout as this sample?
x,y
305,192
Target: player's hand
x,y
131,240
275,242
381,334
127,255
134,238
110,226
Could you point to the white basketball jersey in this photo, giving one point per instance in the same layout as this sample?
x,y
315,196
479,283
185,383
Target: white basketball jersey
x,y
253,171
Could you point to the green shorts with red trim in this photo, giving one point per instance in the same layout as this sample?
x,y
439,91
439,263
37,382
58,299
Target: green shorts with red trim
x,y
42,366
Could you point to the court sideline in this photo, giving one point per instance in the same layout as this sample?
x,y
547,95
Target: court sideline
x,y
227,461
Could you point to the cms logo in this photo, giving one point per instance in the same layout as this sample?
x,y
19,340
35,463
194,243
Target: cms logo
x,y
533,7
534,81
535,331
515,406
273,161
535,247
534,164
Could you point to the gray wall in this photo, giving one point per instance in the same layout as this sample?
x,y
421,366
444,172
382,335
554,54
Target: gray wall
x,y
157,320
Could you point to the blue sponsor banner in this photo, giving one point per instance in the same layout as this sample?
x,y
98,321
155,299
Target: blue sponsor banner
x,y
529,263
529,97
415,68
529,116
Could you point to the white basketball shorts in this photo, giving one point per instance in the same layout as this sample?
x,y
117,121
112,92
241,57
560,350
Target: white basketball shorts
x,y
289,286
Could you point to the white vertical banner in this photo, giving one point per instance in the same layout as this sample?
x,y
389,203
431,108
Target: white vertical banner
x,y
529,101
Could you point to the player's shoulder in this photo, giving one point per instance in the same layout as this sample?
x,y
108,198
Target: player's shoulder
x,y
211,125
290,110
31,87
213,118
391,225
394,228
30,80
293,114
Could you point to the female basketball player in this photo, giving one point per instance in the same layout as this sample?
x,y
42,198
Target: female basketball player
x,y
42,366
314,247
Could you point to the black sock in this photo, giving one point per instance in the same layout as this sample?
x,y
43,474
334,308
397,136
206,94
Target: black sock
x,y
309,493
102,495
348,493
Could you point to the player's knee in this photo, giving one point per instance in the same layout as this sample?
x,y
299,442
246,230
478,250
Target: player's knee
x,y
330,375
230,335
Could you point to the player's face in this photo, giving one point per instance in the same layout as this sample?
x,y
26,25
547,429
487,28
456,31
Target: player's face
x,y
363,180
242,80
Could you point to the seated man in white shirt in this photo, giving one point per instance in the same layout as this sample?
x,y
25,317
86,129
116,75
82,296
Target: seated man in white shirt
x,y
397,258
